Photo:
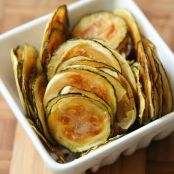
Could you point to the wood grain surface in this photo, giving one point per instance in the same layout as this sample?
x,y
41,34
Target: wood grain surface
x,y
18,156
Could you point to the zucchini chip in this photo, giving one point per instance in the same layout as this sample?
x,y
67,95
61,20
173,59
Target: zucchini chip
x,y
155,80
102,25
126,109
74,90
38,90
16,59
162,82
72,61
125,67
125,47
79,122
24,62
140,97
56,32
81,47
131,23
82,79
167,94
141,58
31,85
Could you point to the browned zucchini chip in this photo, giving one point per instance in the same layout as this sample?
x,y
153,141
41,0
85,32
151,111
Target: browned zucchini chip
x,y
56,32
125,68
141,58
17,62
126,46
74,90
79,123
131,23
24,60
102,25
81,47
38,90
126,113
140,99
82,79
155,80
167,94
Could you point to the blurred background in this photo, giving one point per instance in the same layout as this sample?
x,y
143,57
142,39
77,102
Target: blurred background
x,y
17,156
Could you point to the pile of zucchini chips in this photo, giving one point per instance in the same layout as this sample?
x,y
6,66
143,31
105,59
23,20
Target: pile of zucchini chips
x,y
90,85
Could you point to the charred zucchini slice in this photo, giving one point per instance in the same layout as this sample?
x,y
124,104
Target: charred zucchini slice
x,y
102,25
82,47
79,123
56,32
82,79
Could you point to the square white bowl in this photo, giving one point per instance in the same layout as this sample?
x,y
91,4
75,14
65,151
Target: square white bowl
x,y
32,33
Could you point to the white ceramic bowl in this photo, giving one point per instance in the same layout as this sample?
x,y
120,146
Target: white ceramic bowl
x,y
140,138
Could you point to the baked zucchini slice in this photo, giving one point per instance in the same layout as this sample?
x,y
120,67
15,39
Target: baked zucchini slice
x,y
79,123
74,90
167,94
126,46
155,80
81,47
72,61
141,58
82,79
38,90
131,23
140,96
17,62
125,67
24,60
56,32
126,109
101,25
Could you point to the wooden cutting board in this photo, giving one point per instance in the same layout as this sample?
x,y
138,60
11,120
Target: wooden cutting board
x,y
17,154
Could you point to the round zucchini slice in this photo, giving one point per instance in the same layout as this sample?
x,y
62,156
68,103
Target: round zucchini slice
x,y
126,109
81,47
79,123
71,62
74,90
125,67
56,32
131,23
82,79
101,25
